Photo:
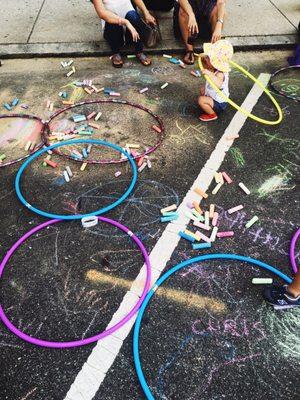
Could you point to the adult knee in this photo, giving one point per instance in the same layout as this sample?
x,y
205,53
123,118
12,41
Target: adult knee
x,y
132,16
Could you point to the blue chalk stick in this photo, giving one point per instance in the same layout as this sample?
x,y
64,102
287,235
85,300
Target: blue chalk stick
x,y
201,246
15,102
174,60
84,153
170,214
169,218
187,237
7,106
79,118
76,156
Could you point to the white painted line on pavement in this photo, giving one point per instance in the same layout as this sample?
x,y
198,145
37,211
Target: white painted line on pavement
x,y
93,372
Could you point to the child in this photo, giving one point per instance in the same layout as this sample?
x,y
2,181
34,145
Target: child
x,y
216,65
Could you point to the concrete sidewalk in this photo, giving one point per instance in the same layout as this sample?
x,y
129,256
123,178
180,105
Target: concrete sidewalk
x,y
71,27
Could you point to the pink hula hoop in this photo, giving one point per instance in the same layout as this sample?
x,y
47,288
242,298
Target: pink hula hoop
x,y
292,251
160,135
82,342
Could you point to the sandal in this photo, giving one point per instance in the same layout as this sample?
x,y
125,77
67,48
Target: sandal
x,y
117,61
189,58
143,59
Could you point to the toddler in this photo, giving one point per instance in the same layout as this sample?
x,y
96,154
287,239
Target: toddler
x,y
216,65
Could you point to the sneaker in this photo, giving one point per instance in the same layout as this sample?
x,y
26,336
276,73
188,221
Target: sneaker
x,y
280,298
208,117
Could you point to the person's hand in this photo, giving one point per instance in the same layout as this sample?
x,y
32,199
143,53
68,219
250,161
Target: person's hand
x,y
132,30
149,19
202,90
192,25
216,34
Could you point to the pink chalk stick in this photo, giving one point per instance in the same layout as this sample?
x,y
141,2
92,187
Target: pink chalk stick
x,y
203,237
116,94
226,177
118,173
202,226
235,209
190,205
91,115
225,234
215,218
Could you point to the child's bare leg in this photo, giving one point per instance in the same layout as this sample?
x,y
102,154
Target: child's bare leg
x,y
207,104
294,287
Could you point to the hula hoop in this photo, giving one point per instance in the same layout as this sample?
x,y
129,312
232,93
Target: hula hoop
x,y
82,342
123,102
281,92
75,216
38,146
292,251
241,109
162,279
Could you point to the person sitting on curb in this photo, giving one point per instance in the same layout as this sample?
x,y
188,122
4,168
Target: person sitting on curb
x,y
193,18
285,296
120,16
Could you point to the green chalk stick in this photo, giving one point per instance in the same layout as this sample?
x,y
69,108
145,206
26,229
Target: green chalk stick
x,y
262,281
2,157
251,222
131,56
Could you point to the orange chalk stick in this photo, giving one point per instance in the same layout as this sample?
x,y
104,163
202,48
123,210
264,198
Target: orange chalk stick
x,y
197,207
96,126
51,163
201,193
156,128
140,161
88,91
68,103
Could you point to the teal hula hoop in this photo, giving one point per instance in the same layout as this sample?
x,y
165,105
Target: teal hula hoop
x,y
75,216
162,279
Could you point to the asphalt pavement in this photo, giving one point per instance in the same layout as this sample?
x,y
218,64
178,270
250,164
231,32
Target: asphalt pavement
x,y
207,333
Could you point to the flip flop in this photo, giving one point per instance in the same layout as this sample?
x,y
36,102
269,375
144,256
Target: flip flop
x,y
117,61
189,58
143,59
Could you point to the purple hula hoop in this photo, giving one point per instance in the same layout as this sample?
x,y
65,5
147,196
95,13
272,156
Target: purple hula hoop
x,y
38,146
76,343
292,250
46,132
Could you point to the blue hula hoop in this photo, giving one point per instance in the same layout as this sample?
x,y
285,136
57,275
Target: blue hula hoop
x,y
162,279
75,216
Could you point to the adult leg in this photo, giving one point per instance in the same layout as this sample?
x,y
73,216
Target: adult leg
x,y
113,34
183,24
135,19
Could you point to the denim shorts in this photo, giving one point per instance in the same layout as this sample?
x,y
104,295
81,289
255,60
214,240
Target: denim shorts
x,y
219,107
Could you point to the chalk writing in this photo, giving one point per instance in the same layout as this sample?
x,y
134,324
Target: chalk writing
x,y
236,328
237,156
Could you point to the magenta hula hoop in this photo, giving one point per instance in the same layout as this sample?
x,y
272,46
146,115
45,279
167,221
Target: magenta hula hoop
x,y
82,342
292,251
160,135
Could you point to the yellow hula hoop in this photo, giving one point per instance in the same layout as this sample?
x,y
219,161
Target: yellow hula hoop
x,y
237,107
